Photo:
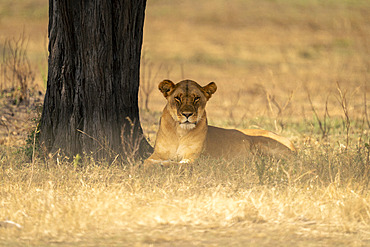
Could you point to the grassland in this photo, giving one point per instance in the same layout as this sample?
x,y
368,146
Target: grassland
x,y
299,68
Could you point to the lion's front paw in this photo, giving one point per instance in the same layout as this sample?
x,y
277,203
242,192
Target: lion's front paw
x,y
148,163
186,161
157,163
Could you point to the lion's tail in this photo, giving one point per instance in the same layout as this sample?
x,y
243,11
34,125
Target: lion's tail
x,y
272,135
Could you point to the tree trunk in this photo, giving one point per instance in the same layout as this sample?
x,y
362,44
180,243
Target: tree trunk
x,y
91,102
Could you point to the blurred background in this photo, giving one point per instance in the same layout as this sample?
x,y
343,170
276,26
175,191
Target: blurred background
x,y
280,60
265,56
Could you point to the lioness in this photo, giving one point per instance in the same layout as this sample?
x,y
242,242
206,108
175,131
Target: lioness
x,y
184,134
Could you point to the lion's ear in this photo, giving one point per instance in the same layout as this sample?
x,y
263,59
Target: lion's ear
x,y
209,89
166,87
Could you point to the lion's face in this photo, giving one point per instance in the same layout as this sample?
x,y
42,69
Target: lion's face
x,y
186,100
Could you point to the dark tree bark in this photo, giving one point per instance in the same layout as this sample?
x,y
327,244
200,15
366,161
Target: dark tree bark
x,y
91,102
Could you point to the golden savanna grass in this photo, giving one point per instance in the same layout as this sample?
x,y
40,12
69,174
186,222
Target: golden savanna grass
x,y
299,68
208,203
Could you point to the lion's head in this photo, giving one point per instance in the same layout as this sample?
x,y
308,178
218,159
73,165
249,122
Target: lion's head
x,y
186,100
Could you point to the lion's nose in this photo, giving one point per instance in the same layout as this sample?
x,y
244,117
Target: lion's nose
x,y
187,114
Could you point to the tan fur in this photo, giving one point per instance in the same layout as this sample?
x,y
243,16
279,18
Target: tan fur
x,y
271,135
184,134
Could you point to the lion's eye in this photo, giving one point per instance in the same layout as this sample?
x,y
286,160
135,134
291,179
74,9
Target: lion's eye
x,y
196,99
178,99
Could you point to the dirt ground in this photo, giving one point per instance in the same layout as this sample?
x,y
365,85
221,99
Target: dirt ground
x,y
17,119
240,234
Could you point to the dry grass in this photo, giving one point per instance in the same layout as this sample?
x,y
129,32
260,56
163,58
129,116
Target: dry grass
x,y
322,200
269,56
